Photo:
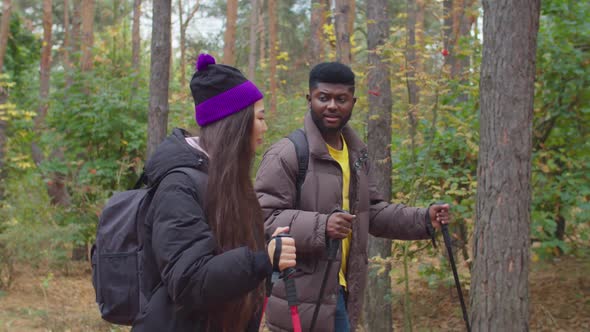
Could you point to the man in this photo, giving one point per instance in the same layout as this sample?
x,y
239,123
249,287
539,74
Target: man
x,y
338,178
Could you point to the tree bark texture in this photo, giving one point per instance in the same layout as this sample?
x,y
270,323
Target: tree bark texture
x,y
318,11
499,283
4,30
273,27
341,19
229,37
159,74
252,49
378,310
135,42
87,35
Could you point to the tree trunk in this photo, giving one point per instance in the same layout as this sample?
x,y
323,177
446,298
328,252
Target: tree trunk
x,y
183,26
419,33
252,50
351,17
135,43
4,30
273,26
499,286
343,48
261,33
160,74
3,125
229,37
44,71
318,11
182,44
76,28
67,45
378,311
411,63
87,35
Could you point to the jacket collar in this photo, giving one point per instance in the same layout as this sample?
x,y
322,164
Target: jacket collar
x,y
317,144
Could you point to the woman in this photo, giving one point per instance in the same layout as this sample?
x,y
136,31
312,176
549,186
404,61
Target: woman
x,y
205,256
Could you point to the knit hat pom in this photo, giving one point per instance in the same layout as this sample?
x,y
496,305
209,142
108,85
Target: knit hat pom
x,y
204,61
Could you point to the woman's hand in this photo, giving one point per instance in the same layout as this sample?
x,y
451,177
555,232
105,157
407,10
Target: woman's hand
x,y
287,258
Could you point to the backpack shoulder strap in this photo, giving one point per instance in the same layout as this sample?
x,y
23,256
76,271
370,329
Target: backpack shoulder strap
x,y
302,150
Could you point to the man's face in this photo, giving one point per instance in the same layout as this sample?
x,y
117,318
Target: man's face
x,y
331,106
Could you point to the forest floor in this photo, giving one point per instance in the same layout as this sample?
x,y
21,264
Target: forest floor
x,y
560,301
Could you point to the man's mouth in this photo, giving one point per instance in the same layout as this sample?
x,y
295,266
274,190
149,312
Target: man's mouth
x,y
329,118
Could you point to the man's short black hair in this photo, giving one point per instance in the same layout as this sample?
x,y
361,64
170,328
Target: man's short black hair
x,y
331,72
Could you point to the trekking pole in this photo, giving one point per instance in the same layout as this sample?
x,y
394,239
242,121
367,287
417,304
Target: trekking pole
x,y
333,245
447,238
291,291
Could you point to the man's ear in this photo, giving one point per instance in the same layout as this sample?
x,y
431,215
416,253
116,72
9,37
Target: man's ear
x,y
354,101
308,97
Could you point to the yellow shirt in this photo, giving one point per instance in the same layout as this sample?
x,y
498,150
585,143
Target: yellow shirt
x,y
341,156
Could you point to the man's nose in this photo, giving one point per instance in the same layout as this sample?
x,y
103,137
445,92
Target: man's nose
x,y
331,104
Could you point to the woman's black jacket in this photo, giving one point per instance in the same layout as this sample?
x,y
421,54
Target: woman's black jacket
x,y
182,276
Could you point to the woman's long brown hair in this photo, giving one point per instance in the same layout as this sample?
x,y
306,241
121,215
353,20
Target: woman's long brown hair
x,y
232,209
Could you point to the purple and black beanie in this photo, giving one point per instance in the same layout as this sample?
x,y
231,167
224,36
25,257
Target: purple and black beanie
x,y
220,91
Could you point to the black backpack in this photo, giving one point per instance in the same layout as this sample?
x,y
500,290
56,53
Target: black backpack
x,y
116,254
302,150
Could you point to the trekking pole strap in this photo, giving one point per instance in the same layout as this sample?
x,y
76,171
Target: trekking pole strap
x,y
447,238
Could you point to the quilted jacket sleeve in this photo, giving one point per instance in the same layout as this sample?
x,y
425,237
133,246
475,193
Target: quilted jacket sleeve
x,y
276,191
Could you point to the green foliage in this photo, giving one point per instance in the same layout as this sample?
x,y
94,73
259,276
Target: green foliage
x,y
560,180
22,52
29,230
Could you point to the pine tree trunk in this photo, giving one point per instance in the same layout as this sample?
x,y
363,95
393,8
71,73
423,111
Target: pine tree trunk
x,y
252,49
411,63
160,74
229,37
499,284
261,34
351,18
4,30
182,29
378,310
3,127
76,28
87,35
135,43
318,12
419,33
67,45
273,26
343,49
184,23
44,70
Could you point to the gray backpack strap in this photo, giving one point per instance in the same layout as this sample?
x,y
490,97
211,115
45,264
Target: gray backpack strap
x,y
302,150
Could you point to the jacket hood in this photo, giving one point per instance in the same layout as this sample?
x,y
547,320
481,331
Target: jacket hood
x,y
174,152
